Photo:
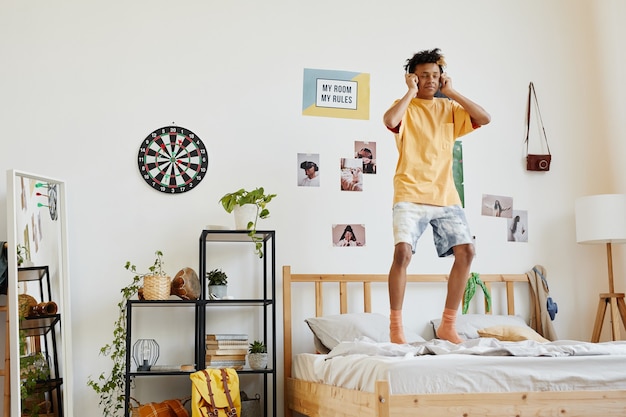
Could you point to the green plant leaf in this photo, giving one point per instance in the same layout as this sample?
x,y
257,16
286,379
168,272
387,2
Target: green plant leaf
x,y
111,387
256,197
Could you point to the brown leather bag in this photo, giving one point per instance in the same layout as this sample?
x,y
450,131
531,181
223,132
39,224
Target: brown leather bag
x,y
536,162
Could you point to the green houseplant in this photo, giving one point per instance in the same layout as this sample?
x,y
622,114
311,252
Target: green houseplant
x,y
23,254
257,198
111,387
34,370
257,355
218,283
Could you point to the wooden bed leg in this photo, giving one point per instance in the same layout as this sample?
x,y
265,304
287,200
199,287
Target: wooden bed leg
x,y
383,395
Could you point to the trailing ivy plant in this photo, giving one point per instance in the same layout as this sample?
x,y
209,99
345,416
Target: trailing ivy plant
x,y
260,199
112,387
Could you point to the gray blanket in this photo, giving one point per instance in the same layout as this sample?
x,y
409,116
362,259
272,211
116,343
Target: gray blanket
x,y
481,346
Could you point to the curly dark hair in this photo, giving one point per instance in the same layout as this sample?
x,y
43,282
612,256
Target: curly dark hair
x,y
433,56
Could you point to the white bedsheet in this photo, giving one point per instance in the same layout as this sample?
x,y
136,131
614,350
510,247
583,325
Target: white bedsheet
x,y
583,366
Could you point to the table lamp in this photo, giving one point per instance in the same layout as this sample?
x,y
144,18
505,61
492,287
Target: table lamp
x,y
145,353
602,219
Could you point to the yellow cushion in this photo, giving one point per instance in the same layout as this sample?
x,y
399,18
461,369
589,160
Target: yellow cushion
x,y
512,333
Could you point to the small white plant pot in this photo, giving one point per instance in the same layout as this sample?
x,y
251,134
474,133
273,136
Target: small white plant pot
x,y
243,215
257,360
218,291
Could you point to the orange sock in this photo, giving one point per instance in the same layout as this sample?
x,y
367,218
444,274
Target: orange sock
x,y
447,328
396,331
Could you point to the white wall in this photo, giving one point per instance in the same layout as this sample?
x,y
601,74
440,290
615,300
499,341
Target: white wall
x,y
82,83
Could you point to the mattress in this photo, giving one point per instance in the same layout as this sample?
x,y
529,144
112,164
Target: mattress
x,y
458,373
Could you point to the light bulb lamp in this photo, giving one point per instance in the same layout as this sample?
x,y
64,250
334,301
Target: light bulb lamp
x,y
602,219
145,353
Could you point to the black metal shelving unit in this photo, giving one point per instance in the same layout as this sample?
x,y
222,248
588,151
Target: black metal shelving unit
x,y
45,327
131,306
265,303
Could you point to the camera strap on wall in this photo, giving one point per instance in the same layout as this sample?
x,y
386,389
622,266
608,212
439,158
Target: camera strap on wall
x,y
536,162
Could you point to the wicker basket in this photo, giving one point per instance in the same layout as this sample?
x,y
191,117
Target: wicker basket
x,y
156,287
26,303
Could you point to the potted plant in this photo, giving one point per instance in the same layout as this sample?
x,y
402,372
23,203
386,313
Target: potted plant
x,y
34,371
23,256
257,355
218,283
256,201
157,284
111,386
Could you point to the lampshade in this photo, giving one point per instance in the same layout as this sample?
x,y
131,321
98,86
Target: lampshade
x,y
145,353
601,219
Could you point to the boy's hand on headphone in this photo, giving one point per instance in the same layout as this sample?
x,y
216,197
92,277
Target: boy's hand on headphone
x,y
411,81
446,83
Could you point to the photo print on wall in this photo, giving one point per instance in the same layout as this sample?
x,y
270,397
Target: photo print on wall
x,y
308,170
367,152
497,206
517,226
348,235
351,174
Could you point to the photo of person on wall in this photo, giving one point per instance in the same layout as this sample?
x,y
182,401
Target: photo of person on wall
x,y
351,174
308,175
517,227
348,235
367,152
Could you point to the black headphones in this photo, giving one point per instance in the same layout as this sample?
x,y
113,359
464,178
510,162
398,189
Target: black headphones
x,y
308,165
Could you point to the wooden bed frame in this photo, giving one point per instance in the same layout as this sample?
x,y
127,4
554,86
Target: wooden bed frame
x,y
320,400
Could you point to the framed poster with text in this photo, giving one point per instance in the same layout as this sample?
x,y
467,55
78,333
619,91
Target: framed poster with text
x,y
329,93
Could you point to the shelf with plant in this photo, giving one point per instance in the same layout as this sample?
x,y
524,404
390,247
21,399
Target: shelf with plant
x,y
218,283
256,197
34,378
257,355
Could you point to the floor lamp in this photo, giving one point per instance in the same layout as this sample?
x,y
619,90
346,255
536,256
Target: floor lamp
x,y
602,219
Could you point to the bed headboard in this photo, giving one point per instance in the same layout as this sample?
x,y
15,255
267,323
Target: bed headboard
x,y
366,279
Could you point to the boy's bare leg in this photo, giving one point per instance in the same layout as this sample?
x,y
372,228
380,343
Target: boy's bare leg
x,y
397,285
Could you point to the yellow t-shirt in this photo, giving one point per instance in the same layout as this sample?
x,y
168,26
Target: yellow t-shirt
x,y
425,141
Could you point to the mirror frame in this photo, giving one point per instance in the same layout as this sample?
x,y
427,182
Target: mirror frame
x,y
65,344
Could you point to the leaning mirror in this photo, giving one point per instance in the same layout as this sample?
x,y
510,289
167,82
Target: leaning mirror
x,y
38,296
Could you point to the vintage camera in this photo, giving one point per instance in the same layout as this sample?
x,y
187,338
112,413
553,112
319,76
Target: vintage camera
x,y
538,162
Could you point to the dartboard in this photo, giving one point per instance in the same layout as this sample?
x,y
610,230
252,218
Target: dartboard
x,y
172,160
52,201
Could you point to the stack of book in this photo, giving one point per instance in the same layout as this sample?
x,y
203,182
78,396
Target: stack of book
x,y
226,350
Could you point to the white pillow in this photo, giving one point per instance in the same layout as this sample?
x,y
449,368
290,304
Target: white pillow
x,y
329,331
467,325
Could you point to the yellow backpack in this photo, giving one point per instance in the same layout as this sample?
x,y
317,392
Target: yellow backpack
x,y
215,393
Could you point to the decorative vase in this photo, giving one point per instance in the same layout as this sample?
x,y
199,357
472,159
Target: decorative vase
x,y
244,215
257,360
218,291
